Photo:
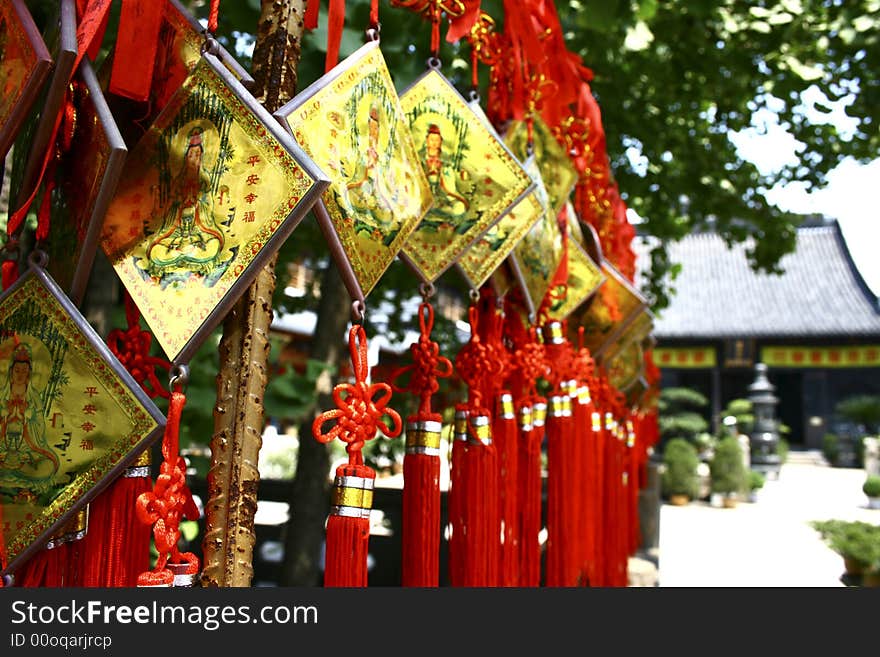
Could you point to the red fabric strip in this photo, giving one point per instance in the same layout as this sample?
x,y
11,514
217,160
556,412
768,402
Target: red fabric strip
x,y
136,44
335,23
310,20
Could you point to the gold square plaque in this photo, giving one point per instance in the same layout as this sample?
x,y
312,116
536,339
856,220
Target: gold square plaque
x,y
486,254
350,121
474,178
538,254
73,418
24,65
637,330
609,312
584,278
210,191
557,171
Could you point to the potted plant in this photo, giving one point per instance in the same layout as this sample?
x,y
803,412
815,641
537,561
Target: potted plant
x,y
728,470
679,479
756,483
871,488
857,542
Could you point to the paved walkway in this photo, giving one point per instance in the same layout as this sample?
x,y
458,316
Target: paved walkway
x,y
768,543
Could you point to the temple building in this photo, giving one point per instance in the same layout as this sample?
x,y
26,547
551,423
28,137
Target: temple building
x,y
816,327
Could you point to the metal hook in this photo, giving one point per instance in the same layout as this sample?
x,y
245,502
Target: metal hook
x,y
427,290
474,96
38,259
433,62
179,376
474,294
210,44
373,32
358,311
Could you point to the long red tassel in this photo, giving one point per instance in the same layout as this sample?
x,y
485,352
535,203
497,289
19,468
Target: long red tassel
x,y
348,527
117,545
457,499
482,509
505,435
359,418
563,485
421,462
479,551
600,490
585,411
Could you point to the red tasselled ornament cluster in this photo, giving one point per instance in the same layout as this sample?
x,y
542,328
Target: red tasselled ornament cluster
x,y
358,417
421,463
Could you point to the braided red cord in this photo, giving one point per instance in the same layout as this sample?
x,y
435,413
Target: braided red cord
x,y
213,16
427,366
168,502
132,347
475,365
358,416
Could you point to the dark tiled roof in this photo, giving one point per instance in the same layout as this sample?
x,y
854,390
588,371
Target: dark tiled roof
x,y
718,295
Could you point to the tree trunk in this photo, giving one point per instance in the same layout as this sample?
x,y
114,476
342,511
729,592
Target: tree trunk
x,y
310,494
233,477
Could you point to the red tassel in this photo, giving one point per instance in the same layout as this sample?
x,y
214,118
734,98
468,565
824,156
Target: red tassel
x,y
168,502
358,418
457,498
483,520
421,462
562,495
532,419
585,411
479,551
348,527
421,502
505,435
117,546
600,494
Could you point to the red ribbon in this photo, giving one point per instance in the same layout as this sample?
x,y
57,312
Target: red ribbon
x,y
137,40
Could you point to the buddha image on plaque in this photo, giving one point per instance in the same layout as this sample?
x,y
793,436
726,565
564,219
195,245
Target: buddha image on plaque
x,y
70,413
26,458
474,178
204,194
351,123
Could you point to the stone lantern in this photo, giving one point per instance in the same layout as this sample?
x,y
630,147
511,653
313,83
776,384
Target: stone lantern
x,y
764,438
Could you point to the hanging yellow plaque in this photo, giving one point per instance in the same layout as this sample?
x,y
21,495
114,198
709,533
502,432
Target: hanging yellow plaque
x,y
474,178
209,192
557,172
72,418
538,254
351,123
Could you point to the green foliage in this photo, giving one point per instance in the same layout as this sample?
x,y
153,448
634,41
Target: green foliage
x,y
680,463
857,540
756,480
677,399
782,448
830,447
741,409
289,392
674,80
727,469
863,410
871,487
679,414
